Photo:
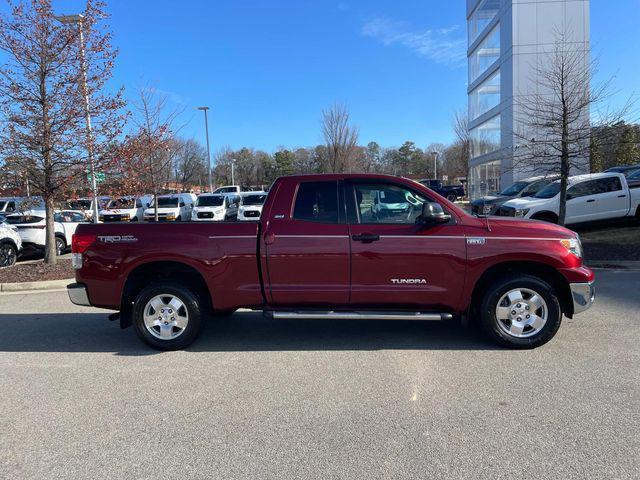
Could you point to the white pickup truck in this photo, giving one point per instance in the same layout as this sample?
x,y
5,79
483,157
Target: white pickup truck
x,y
598,196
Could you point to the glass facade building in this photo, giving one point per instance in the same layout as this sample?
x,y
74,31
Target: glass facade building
x,y
507,37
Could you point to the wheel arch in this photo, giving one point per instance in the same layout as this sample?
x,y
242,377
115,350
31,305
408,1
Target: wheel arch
x,y
545,215
171,270
541,270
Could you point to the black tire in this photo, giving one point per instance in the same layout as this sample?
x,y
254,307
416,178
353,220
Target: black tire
x,y
8,255
452,197
179,219
546,217
492,325
61,246
192,303
135,219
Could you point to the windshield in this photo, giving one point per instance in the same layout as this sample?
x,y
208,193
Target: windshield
x,y
79,204
167,202
209,201
514,189
122,203
253,199
549,191
392,196
20,219
226,190
635,175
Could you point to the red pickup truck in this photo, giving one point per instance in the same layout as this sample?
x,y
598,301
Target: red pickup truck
x,y
337,247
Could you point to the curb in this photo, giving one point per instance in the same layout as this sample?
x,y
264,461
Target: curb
x,y
614,264
36,286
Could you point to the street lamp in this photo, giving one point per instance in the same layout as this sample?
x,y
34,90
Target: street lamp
x,y
233,167
79,20
206,128
435,154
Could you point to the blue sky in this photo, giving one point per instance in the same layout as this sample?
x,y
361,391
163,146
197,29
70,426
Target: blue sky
x,y
268,68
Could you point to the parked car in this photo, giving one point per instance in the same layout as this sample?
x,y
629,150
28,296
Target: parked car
x,y
173,208
251,204
85,205
9,205
32,228
633,179
125,209
10,245
215,207
450,192
315,254
489,204
626,170
598,196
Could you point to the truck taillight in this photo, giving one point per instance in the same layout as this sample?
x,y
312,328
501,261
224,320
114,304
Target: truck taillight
x,y
81,241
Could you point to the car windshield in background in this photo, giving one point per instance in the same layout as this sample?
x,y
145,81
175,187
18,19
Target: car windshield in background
x,y
121,203
514,189
22,219
79,204
226,190
549,191
253,199
168,202
210,201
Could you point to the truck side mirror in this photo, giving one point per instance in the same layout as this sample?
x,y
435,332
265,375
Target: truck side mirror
x,y
433,214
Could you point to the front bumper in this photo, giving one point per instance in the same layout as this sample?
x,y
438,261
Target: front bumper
x,y
78,294
583,295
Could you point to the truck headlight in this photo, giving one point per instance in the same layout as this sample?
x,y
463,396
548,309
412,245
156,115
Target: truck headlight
x,y
573,245
522,212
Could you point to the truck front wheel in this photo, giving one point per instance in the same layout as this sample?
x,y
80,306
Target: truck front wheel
x,y
167,316
521,311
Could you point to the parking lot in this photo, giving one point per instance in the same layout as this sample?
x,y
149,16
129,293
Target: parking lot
x,y
258,398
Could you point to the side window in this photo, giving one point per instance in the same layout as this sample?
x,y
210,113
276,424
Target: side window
x,y
611,184
384,203
582,189
77,217
11,207
138,203
317,202
533,188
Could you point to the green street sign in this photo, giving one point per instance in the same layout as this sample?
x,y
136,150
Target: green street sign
x,y
100,177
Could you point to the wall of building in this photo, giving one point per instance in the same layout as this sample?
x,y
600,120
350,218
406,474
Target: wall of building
x,y
506,40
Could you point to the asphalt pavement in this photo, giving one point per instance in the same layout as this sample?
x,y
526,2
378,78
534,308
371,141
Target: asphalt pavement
x,y
258,398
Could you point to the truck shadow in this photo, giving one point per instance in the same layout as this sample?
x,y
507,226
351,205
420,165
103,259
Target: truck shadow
x,y
242,332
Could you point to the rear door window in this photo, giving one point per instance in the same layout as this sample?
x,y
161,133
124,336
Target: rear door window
x,y
317,202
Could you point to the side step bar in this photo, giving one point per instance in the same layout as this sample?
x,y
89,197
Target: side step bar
x,y
333,315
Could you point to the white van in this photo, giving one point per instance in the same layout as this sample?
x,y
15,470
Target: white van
x,y
125,209
251,204
175,207
85,205
213,207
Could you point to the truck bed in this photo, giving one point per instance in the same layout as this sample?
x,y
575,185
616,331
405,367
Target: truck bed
x,y
225,254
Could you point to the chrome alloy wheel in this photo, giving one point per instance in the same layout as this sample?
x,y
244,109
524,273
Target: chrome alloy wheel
x,y
522,313
165,317
7,255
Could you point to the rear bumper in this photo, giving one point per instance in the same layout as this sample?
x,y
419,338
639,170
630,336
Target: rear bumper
x,y
583,295
78,294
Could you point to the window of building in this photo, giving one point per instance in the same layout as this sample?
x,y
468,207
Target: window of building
x,y
485,96
485,54
481,17
317,202
484,179
485,138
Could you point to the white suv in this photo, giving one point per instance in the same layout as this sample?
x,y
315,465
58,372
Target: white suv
x,y
10,245
251,204
213,207
173,208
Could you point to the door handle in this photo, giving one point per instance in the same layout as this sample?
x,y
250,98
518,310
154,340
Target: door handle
x,y
589,201
269,238
622,196
366,237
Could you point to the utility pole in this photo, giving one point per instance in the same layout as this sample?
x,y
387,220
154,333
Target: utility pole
x,y
79,20
233,177
206,128
435,164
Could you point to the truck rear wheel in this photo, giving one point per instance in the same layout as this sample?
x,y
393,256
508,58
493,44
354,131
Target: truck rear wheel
x,y
521,311
452,197
167,316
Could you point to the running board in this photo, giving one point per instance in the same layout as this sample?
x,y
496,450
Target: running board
x,y
333,315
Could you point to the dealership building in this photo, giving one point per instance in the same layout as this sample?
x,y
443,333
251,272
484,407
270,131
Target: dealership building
x,y
505,38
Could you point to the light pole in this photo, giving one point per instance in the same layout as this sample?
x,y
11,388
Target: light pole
x,y
78,19
206,128
233,168
435,164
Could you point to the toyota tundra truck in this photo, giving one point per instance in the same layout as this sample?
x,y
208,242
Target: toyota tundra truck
x,y
321,250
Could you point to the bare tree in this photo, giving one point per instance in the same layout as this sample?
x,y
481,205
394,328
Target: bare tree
x,y
42,98
340,137
553,126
